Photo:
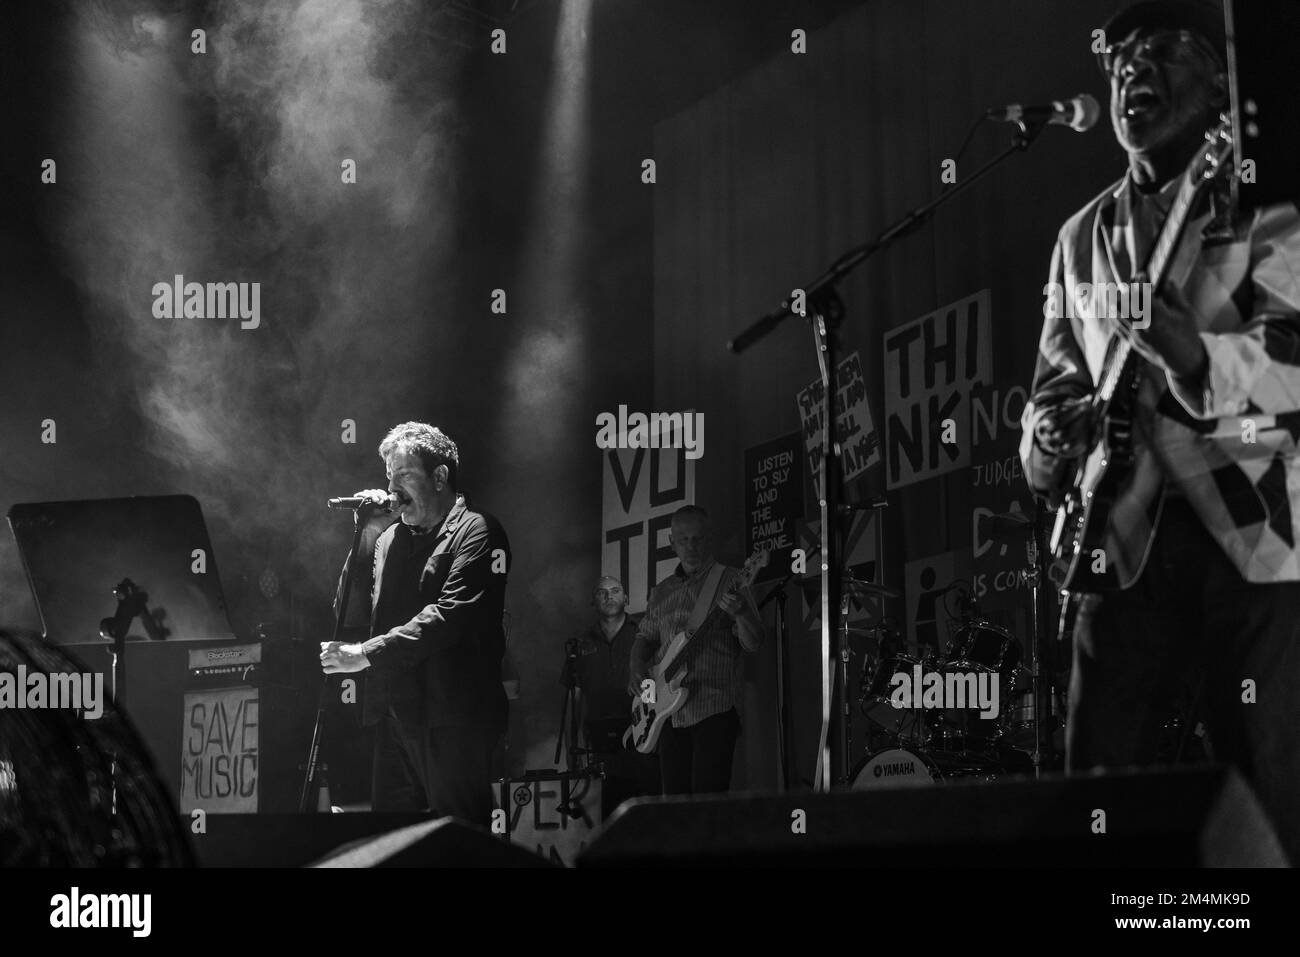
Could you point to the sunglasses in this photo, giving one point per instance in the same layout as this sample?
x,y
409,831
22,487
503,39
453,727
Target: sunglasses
x,y
1163,47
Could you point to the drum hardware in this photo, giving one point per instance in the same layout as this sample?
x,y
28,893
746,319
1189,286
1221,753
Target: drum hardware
x,y
1005,524
782,644
1041,671
856,588
850,590
991,654
850,586
918,745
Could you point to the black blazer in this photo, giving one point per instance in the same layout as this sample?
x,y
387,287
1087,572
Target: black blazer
x,y
436,656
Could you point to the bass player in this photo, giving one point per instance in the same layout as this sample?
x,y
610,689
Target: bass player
x,y
696,747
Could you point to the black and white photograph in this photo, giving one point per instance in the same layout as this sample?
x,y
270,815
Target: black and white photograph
x,y
651,435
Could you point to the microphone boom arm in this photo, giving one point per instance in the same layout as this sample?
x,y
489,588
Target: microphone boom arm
x,y
818,289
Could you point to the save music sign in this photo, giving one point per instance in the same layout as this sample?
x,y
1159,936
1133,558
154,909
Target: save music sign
x,y
642,489
219,751
931,365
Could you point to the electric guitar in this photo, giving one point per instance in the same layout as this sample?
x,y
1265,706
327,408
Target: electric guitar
x,y
660,701
1101,475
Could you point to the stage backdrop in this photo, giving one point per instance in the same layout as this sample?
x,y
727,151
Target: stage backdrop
x,y
762,184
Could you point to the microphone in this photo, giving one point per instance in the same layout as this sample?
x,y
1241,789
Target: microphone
x,y
1079,113
361,501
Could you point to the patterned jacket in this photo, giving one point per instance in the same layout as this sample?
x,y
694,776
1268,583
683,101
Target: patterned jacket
x,y
1228,446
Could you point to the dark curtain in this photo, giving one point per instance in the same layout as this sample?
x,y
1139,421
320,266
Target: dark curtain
x,y
763,183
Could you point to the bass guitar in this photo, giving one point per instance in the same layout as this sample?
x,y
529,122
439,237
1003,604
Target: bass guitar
x,y
662,694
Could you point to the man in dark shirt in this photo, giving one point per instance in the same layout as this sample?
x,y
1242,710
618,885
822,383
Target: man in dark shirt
x,y
600,672
437,594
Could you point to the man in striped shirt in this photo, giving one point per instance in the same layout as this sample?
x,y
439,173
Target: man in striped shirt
x,y
695,749
1210,606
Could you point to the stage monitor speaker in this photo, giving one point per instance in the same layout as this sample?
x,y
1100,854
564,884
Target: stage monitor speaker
x,y
285,840
445,842
1172,818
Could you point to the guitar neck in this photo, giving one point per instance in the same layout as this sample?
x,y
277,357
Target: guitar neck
x,y
1171,233
1155,271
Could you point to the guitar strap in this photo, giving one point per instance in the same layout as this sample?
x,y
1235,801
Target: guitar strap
x,y
708,592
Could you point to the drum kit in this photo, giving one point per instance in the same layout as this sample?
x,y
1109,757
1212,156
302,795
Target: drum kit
x,y
910,745
912,739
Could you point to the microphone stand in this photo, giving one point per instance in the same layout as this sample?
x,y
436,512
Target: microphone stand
x,y
311,777
824,310
778,594
1040,682
568,709
131,603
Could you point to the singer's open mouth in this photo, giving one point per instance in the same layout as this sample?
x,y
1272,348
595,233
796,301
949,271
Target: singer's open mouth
x,y
1140,100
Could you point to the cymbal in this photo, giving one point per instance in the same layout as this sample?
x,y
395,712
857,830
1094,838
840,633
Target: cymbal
x,y
1009,523
870,630
855,586
812,588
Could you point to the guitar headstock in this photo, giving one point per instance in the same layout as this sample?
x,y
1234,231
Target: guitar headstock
x,y
1217,155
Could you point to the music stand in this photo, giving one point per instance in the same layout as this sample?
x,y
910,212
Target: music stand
x,y
79,554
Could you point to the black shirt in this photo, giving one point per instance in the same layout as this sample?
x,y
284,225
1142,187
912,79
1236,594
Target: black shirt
x,y
438,599
602,671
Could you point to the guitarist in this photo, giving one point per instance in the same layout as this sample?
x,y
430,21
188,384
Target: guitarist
x,y
696,747
1205,537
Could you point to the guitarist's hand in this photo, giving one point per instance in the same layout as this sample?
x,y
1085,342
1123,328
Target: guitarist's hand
x,y
1065,429
1171,341
639,674
731,603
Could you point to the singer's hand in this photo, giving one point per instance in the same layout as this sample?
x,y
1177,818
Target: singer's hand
x,y
377,496
337,658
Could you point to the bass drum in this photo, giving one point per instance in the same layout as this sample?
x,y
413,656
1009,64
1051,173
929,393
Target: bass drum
x,y
893,768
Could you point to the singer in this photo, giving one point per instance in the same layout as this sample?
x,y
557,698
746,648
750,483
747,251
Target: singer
x,y
436,595
1203,535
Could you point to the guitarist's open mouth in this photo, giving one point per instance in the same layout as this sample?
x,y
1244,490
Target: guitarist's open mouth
x,y
1140,101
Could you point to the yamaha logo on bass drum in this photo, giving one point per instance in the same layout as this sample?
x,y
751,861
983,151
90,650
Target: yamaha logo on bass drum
x,y
886,770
